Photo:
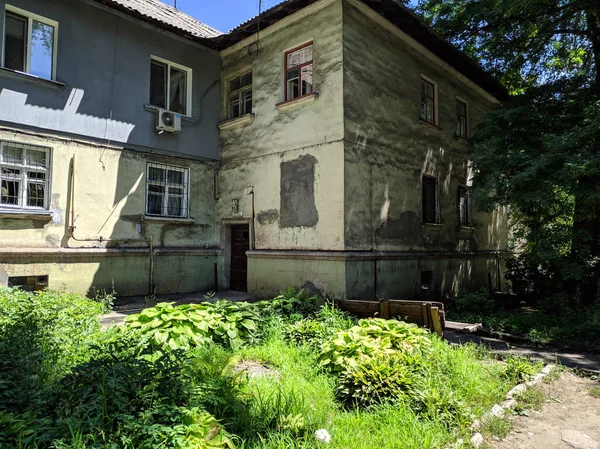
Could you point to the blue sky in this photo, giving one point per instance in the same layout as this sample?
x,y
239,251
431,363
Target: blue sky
x,y
222,14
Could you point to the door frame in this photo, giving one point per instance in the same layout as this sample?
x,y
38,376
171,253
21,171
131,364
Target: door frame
x,y
226,224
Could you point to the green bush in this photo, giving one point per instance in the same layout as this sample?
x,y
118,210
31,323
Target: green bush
x,y
473,303
182,327
42,335
372,337
519,369
377,379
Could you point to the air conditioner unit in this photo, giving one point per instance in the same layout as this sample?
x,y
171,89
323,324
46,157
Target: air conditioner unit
x,y
167,121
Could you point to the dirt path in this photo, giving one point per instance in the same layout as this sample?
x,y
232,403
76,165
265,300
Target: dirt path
x,y
569,419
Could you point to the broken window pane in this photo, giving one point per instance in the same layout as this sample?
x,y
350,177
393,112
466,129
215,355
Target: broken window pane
x,y
42,49
15,47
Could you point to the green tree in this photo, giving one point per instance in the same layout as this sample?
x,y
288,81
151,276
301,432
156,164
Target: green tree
x,y
539,152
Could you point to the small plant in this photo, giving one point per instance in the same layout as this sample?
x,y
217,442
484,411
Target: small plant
x,y
495,426
107,299
518,369
530,399
375,380
595,392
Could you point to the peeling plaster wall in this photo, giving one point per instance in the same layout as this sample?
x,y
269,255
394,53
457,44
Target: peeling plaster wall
x,y
292,157
110,198
387,149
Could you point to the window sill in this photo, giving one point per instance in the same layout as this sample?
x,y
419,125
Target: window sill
x,y
174,220
184,118
429,125
466,229
433,226
461,139
237,122
42,215
9,73
290,104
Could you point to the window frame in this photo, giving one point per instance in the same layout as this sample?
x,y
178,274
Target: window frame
x,y
165,204
466,117
30,18
240,91
469,223
437,219
24,178
434,85
189,72
299,67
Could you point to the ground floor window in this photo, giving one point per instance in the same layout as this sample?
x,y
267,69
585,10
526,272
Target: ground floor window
x,y
167,191
464,207
24,176
430,200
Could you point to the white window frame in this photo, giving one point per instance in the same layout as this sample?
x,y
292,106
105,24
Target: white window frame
x,y
467,118
24,168
30,18
165,206
435,100
189,73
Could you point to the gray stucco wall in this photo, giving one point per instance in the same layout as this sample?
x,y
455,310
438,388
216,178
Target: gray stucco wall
x,y
104,61
387,149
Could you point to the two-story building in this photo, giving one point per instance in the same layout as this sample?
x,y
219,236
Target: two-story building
x,y
92,193
343,150
320,144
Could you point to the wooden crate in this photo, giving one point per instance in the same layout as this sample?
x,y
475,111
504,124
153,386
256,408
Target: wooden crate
x,y
428,314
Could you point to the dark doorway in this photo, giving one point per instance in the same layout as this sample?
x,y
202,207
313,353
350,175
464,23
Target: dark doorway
x,y
240,243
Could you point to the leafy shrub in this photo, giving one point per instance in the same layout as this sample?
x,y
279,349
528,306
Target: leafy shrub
x,y
374,380
190,325
319,328
474,303
518,369
372,337
175,427
41,336
290,302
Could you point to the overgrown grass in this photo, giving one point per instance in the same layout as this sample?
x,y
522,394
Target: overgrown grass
x,y
553,323
127,388
595,392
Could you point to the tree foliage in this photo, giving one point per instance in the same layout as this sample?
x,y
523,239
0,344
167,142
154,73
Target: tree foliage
x,y
539,151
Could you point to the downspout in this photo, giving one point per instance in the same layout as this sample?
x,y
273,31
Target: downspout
x,y
253,240
100,239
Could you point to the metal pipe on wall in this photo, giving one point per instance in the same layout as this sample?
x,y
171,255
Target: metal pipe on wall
x,y
100,239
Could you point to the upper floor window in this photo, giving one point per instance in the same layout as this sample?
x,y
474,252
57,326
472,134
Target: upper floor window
x,y
30,43
461,119
299,72
24,176
240,96
430,202
167,191
464,207
428,101
170,86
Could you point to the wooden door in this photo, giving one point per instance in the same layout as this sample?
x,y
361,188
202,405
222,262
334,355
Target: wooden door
x,y
240,243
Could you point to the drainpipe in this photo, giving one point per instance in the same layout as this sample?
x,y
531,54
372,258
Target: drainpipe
x,y
100,239
251,192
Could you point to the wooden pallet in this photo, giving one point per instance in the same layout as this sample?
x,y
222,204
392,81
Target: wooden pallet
x,y
429,314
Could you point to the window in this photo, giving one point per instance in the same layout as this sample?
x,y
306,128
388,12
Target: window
x,y
170,86
299,72
430,200
426,280
464,207
167,191
24,176
30,43
461,119
240,96
29,283
428,101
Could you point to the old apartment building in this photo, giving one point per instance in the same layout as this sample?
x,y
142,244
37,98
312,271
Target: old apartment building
x,y
321,144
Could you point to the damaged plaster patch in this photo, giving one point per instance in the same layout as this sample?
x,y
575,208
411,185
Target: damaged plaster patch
x,y
268,216
406,227
298,207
